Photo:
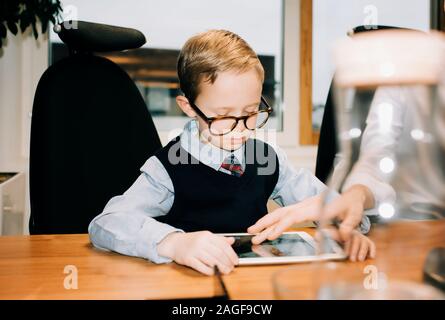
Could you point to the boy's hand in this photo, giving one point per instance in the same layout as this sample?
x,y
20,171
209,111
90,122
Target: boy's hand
x,y
273,224
348,208
200,250
358,247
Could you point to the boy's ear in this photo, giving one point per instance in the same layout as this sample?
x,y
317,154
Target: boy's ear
x,y
184,104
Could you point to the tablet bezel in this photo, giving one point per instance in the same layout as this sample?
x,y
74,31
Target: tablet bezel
x,y
339,254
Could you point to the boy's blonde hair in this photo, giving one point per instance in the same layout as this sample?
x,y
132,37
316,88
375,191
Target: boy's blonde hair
x,y
206,54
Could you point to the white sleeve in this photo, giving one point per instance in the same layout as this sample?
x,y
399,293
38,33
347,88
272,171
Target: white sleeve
x,y
384,126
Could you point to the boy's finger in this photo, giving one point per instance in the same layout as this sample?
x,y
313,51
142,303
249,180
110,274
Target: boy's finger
x,y
232,255
261,237
228,250
281,227
372,250
355,245
266,221
217,250
347,247
201,267
363,252
226,247
214,258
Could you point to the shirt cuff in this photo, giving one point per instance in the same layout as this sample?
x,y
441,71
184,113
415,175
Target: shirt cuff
x,y
382,191
148,239
365,225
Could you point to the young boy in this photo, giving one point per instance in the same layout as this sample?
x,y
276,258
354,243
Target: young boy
x,y
212,178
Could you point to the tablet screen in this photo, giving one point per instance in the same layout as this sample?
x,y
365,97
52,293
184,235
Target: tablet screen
x,y
287,245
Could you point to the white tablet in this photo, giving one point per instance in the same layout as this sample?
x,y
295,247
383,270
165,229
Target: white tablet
x,y
290,247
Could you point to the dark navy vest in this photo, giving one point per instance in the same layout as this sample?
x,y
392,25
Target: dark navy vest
x,y
206,199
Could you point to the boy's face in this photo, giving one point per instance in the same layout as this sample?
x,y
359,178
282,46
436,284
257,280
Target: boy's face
x,y
232,94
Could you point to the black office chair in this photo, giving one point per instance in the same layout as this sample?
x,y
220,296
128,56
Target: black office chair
x,y
91,130
328,145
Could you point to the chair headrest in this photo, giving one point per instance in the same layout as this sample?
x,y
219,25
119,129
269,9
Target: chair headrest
x,y
95,37
367,28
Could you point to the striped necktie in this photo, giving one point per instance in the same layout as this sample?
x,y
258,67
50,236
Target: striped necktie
x,y
232,165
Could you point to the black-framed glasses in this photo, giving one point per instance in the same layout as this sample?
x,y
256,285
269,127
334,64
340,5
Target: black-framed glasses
x,y
222,125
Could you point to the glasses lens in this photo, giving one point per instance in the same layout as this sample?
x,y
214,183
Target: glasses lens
x,y
222,126
257,120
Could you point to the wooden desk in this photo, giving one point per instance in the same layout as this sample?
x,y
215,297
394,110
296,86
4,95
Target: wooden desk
x,y
32,267
401,252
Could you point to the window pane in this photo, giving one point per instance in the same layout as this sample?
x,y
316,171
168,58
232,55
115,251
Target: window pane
x,y
167,25
332,19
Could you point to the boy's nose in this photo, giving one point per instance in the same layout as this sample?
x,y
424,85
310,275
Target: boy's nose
x,y
240,126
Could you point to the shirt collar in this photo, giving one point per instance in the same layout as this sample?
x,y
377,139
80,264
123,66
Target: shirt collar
x,y
205,152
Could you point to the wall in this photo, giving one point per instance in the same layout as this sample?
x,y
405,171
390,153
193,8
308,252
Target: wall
x,y
22,62
11,158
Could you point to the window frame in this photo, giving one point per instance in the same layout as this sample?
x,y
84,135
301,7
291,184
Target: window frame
x,y
308,136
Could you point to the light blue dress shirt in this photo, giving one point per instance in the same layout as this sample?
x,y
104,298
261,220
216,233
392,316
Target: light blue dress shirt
x,y
127,223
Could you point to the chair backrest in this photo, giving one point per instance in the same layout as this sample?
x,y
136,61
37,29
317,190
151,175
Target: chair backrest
x,y
328,145
90,134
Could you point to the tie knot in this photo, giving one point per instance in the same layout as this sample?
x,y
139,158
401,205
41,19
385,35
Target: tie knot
x,y
231,159
232,165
